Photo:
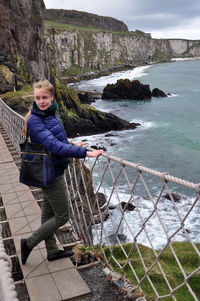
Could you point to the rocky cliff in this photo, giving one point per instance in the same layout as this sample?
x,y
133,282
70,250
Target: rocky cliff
x,y
80,18
22,46
91,50
24,58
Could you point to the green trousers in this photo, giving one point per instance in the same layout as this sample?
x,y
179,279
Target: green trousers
x,y
55,213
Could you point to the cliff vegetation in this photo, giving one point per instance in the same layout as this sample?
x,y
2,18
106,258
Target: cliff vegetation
x,y
80,18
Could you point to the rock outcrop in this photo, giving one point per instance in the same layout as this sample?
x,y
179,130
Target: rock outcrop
x,y
80,18
133,90
86,98
158,93
174,196
80,119
22,44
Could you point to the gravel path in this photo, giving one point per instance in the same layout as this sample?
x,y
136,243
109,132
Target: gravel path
x,y
101,289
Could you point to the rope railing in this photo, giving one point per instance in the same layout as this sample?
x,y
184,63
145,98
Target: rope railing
x,y
7,286
143,224
12,123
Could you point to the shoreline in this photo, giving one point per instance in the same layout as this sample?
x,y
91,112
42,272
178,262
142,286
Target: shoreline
x,y
73,81
95,75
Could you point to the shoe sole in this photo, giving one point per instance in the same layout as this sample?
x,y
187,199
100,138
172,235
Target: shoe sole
x,y
60,256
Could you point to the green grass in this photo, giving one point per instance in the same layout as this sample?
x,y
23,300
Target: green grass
x,y
25,94
187,256
71,114
75,70
84,28
52,24
159,55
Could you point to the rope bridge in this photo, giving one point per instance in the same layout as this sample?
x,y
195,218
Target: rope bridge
x,y
142,224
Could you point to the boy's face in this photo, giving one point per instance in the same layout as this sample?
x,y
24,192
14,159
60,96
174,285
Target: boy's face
x,y
43,98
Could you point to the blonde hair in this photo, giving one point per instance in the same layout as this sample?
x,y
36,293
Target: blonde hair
x,y
41,84
44,84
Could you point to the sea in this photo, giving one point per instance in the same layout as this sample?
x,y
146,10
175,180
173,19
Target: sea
x,y
168,139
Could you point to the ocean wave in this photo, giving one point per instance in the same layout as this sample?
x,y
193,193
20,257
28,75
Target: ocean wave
x,y
180,59
144,124
148,124
99,83
156,230
172,95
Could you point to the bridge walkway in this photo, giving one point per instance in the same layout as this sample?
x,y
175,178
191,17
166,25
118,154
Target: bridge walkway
x,y
49,281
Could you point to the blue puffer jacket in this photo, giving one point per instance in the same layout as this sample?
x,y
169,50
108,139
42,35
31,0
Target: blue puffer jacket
x,y
46,128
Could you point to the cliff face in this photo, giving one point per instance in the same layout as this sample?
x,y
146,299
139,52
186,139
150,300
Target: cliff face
x,y
25,50
22,42
84,19
24,58
185,48
100,50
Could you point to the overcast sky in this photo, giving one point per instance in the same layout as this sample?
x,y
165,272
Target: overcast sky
x,y
162,18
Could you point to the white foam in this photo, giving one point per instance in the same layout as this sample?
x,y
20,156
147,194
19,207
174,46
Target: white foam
x,y
180,59
148,124
144,208
172,95
112,78
144,124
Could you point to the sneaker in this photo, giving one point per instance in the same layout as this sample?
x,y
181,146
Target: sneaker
x,y
60,254
25,251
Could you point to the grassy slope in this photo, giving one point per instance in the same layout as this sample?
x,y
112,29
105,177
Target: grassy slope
x,y
187,256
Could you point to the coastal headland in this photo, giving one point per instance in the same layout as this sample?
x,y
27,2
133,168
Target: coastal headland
x,y
68,46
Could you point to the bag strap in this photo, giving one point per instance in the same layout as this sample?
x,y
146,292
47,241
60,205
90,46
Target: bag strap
x,y
27,135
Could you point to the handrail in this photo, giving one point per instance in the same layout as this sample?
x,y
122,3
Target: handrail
x,y
7,286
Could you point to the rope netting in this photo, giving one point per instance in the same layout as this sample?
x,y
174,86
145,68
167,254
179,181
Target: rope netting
x,y
141,223
7,286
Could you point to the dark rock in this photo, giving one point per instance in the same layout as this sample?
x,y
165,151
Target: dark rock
x,y
98,147
175,196
158,93
101,198
126,89
90,122
7,79
121,237
135,124
22,33
22,40
101,218
86,98
111,135
112,207
127,206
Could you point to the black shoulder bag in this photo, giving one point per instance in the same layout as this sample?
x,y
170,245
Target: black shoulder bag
x,y
37,165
